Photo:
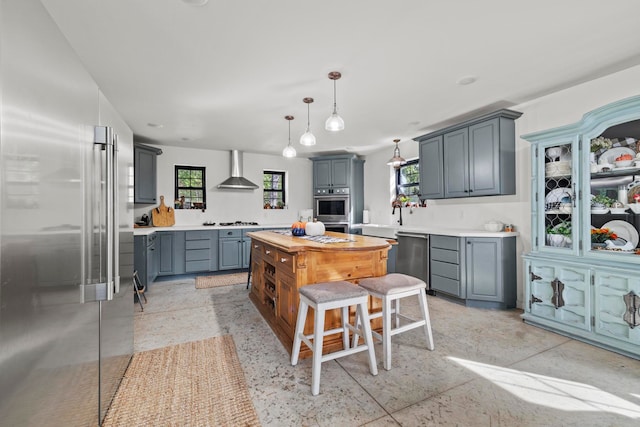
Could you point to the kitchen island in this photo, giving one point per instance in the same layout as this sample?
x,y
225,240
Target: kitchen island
x,y
281,264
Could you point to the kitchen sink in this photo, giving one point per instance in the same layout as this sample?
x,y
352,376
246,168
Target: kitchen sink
x,y
380,230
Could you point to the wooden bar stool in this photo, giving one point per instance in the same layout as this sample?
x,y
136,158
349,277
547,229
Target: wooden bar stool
x,y
327,296
391,288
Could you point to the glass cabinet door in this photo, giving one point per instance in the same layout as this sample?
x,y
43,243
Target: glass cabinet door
x,y
612,205
556,195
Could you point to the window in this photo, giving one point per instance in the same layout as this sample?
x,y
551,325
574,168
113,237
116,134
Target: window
x,y
274,194
408,180
190,185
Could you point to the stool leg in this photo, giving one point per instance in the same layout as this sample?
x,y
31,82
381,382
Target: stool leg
x,y
345,330
386,331
396,310
297,342
363,312
356,325
318,337
427,320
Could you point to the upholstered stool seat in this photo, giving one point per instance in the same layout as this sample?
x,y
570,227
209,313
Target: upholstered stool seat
x,y
390,289
327,296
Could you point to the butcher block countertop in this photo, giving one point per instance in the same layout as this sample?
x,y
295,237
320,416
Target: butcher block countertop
x,y
294,244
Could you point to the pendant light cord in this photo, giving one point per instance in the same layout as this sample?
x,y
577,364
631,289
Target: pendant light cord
x,y
308,122
335,110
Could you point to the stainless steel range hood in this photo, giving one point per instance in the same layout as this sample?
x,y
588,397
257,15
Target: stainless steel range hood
x,y
237,181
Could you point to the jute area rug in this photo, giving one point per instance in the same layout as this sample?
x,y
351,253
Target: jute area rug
x,y
198,383
204,282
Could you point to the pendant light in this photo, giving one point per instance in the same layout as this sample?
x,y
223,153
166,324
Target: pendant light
x,y
289,151
396,161
308,138
334,123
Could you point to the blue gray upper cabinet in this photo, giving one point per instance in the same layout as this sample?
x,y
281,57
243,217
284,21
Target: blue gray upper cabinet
x,y
474,158
144,190
331,173
431,173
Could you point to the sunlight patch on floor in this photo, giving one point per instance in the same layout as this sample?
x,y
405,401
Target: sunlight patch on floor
x,y
552,392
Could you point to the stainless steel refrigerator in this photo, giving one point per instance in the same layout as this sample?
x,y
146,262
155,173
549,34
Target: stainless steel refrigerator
x,y
66,230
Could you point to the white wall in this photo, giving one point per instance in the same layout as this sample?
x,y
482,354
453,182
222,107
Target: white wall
x,y
558,109
233,205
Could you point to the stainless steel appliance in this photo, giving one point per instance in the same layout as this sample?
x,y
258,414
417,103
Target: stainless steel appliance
x,y
66,222
413,255
337,227
331,209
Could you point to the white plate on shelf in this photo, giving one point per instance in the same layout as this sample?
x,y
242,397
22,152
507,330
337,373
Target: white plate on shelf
x,y
624,230
610,155
599,211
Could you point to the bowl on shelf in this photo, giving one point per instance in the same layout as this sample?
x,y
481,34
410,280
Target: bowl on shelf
x,y
493,226
617,210
635,207
599,211
623,163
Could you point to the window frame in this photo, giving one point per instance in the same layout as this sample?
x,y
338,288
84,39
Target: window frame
x,y
414,198
202,188
265,190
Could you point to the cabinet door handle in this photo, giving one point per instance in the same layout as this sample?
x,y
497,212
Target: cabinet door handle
x,y
283,259
255,246
267,251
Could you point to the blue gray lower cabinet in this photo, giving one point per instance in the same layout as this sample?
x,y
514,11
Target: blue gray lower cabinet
x,y
201,251
481,271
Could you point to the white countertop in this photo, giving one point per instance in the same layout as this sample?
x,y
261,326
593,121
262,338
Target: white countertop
x,y
145,231
389,231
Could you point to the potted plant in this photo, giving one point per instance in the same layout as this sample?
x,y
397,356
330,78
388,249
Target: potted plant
x,y
600,235
559,235
601,200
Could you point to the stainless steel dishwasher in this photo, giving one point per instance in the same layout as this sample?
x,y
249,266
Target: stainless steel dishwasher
x,y
413,255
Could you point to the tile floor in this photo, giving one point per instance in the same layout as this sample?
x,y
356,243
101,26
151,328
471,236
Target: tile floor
x,y
488,368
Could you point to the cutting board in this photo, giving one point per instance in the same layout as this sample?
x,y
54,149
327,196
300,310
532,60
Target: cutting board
x,y
163,216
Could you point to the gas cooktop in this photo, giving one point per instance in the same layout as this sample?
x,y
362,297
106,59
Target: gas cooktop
x,y
226,224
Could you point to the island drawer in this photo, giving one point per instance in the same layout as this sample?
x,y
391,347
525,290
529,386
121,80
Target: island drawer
x,y
269,253
286,261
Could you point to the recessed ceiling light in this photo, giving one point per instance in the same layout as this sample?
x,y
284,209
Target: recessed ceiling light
x,y
466,80
155,125
195,2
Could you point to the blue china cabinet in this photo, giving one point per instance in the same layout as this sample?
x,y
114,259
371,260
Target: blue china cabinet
x,y
581,281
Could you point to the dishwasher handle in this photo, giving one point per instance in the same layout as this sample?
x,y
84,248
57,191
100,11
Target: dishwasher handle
x,y
416,235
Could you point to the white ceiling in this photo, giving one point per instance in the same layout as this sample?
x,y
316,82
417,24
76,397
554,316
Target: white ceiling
x,y
224,75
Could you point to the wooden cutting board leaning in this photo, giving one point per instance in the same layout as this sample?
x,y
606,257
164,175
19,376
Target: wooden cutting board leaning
x,y
163,216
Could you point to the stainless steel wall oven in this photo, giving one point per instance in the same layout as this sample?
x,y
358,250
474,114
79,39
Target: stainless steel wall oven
x,y
331,209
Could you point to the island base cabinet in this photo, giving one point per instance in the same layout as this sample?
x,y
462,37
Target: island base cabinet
x,y
277,275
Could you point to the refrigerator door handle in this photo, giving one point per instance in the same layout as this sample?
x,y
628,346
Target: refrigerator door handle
x,y
105,139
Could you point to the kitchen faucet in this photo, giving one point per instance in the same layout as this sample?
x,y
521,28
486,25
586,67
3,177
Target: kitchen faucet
x,y
397,204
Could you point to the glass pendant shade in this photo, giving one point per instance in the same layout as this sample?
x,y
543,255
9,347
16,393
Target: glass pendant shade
x,y
334,123
289,151
308,138
396,161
